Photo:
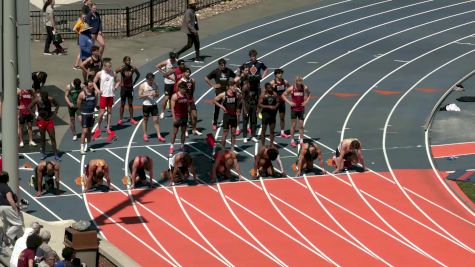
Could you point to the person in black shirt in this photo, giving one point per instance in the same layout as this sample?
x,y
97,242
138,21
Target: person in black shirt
x,y
221,76
190,27
10,211
127,88
229,102
257,70
268,103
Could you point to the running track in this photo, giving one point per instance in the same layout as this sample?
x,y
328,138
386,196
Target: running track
x,y
375,69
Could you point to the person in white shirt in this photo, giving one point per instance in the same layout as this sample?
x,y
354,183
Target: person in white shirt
x,y
148,92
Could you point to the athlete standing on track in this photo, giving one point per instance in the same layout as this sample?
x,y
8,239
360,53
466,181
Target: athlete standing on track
x,y
71,96
108,83
180,107
148,92
137,168
190,91
127,82
25,97
44,121
229,102
268,103
279,84
91,65
87,101
300,95
169,81
221,76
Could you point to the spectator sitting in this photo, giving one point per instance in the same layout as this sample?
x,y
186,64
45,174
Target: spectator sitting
x,y
68,255
20,244
49,260
27,256
44,249
10,212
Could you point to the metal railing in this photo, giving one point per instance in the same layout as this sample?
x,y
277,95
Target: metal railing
x,y
118,22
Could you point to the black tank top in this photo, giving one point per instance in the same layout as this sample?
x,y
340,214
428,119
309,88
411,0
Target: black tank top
x,y
269,100
44,109
89,103
280,87
95,65
230,103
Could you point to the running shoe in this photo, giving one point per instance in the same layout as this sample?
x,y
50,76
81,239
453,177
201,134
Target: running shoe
x,y
161,139
254,139
244,140
32,143
75,137
162,115
284,135
21,144
215,127
238,132
119,122
196,132
57,157
82,151
108,131
145,138
133,122
293,143
186,133
76,68
96,134
47,54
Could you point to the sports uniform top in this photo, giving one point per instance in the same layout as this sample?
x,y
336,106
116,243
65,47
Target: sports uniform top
x,y
96,64
74,93
298,95
150,100
126,73
190,88
221,77
255,70
230,102
280,87
44,109
181,106
89,103
178,76
170,66
107,83
269,100
24,100
309,156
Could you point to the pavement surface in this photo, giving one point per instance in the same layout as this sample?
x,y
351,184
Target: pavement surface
x,y
376,71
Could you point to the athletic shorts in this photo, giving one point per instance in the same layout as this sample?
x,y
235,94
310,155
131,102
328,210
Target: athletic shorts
x,y
45,124
229,121
126,93
168,89
297,114
85,46
106,102
268,117
87,121
140,171
25,118
181,122
73,111
281,107
192,106
150,110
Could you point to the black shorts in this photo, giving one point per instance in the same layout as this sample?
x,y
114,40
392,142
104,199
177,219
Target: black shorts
x,y
297,114
229,121
74,111
181,122
281,107
126,93
150,110
168,89
87,121
268,117
140,171
25,118
192,106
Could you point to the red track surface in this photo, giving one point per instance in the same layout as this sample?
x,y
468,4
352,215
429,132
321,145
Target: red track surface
x,y
447,150
245,224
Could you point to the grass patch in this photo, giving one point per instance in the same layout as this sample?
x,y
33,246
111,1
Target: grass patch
x,y
468,188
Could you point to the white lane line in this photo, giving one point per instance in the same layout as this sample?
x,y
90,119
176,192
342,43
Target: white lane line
x,y
63,184
41,204
387,159
214,220
460,143
102,213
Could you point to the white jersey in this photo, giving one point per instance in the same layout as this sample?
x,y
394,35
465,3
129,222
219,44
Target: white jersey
x,y
173,159
107,83
168,67
150,100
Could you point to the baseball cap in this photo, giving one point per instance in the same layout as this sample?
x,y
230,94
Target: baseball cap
x,y
149,75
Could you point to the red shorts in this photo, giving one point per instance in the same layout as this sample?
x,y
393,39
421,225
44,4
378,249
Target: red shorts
x,y
45,124
106,101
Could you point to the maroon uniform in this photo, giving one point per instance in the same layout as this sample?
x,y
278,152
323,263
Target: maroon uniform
x,y
298,96
24,100
178,76
181,106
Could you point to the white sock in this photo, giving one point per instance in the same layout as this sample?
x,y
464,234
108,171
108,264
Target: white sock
x,y
82,146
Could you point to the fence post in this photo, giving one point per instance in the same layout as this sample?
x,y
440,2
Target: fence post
x,y
127,21
151,14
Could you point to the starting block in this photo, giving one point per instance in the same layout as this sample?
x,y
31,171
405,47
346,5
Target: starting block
x,y
126,180
112,136
331,162
294,167
79,180
253,172
27,165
